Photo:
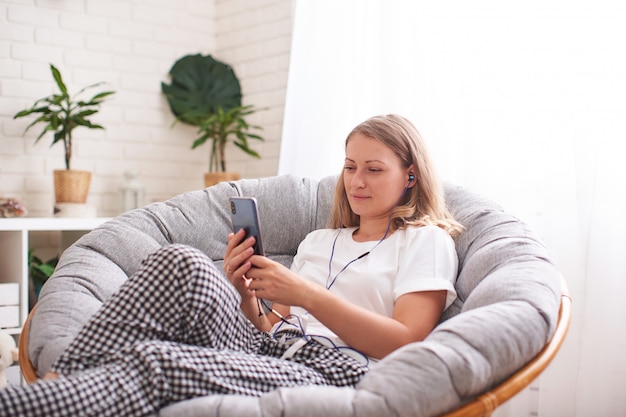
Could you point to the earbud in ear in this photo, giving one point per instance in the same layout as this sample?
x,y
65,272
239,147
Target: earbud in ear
x,y
411,177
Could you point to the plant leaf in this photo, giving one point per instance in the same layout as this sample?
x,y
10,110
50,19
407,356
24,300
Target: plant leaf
x,y
59,80
201,140
47,269
200,85
60,113
247,150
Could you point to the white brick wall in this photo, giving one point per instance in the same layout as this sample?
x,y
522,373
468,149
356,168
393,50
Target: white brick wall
x,y
131,46
254,36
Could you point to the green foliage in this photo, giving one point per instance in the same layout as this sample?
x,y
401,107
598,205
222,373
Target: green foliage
x,y
39,270
205,92
62,113
200,84
222,126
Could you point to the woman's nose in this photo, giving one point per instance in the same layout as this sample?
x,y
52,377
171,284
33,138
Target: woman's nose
x,y
357,180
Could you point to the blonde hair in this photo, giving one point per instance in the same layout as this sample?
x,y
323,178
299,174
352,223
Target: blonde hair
x,y
423,204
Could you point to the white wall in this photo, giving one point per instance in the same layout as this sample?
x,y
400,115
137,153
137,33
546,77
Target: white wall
x,y
131,46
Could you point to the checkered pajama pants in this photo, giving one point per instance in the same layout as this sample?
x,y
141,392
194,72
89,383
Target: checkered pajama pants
x,y
173,331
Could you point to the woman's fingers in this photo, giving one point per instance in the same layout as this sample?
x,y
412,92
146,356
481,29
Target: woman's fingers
x,y
234,263
275,282
238,250
272,280
234,239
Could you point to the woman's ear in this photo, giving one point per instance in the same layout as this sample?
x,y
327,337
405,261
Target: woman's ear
x,y
411,175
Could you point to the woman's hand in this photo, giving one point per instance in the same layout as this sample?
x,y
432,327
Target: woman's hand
x,y
273,281
236,265
237,262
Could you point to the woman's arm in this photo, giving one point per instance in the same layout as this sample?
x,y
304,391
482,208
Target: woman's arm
x,y
415,314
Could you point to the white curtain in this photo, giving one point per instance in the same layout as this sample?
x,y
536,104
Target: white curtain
x,y
524,102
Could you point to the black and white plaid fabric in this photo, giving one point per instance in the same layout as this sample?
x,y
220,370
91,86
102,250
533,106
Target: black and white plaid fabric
x,y
173,331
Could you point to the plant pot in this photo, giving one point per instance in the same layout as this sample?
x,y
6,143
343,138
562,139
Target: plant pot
x,y
71,186
212,178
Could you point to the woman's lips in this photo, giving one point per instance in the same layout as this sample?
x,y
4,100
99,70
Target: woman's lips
x,y
359,197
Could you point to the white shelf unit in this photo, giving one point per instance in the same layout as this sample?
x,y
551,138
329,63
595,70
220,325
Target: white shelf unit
x,y
15,234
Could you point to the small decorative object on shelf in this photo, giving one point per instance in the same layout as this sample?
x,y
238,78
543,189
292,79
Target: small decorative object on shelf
x,y
132,191
10,207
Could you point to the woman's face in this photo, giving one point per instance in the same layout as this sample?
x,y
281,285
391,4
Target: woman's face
x,y
374,177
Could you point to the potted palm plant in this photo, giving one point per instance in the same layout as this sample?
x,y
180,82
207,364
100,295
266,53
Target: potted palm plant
x,y
206,93
61,114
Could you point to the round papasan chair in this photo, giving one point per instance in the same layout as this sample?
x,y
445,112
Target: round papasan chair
x,y
496,332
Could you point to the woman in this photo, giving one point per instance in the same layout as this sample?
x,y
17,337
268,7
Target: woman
x,y
378,279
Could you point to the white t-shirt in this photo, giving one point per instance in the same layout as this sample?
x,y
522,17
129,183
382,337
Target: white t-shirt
x,y
410,260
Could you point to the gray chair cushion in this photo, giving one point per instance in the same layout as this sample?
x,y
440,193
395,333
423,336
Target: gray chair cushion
x,y
507,306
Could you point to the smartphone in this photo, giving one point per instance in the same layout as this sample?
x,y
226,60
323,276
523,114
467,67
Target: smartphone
x,y
245,215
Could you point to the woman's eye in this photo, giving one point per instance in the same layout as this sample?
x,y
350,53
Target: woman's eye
x,y
348,168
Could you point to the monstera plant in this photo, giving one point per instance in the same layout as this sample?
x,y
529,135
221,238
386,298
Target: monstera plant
x,y
206,93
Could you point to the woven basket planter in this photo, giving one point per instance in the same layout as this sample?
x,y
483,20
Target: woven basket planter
x,y
212,178
71,186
